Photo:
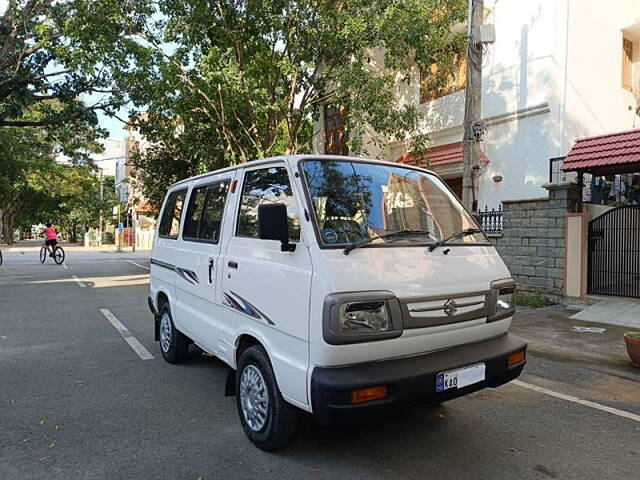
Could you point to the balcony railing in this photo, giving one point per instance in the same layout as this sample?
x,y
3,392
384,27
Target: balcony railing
x,y
491,220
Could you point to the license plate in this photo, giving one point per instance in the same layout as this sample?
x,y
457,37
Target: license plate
x,y
460,378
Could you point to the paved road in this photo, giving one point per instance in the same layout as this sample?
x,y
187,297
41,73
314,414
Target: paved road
x,y
77,402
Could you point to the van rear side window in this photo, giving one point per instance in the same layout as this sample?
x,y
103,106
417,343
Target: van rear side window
x,y
171,214
204,213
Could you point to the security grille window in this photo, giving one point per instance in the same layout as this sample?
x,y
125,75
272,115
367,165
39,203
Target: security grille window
x,y
171,215
204,213
267,185
335,137
627,64
432,86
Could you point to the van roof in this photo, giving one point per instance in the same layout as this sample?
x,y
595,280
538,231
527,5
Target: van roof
x,y
292,159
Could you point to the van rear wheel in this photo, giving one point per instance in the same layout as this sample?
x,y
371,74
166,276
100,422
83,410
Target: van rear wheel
x,y
174,345
267,419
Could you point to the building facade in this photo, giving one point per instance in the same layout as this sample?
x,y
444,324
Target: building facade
x,y
114,153
558,71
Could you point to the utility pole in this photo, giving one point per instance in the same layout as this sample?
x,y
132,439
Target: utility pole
x,y
472,104
100,219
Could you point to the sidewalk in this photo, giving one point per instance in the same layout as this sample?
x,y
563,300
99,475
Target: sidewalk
x,y
550,333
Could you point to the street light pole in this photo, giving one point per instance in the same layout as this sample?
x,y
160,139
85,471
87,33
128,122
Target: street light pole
x,y
472,104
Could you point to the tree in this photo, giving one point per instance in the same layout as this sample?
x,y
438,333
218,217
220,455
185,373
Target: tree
x,y
52,82
68,196
54,50
23,155
28,161
226,81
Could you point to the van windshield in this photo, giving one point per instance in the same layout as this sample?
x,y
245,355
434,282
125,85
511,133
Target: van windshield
x,y
356,201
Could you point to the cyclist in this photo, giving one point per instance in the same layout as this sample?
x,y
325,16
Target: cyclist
x,y
51,238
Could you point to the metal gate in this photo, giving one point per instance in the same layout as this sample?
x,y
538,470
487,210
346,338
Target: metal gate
x,y
614,253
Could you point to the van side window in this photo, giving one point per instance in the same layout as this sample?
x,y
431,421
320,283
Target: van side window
x,y
204,213
267,185
170,221
194,212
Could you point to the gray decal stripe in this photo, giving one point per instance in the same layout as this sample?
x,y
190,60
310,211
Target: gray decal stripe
x,y
252,307
247,308
188,275
162,264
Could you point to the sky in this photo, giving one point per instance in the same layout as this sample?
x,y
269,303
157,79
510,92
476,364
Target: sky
x,y
113,125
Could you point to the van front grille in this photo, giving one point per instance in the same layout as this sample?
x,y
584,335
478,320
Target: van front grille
x,y
442,310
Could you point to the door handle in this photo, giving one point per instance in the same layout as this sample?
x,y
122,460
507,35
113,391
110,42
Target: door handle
x,y
210,269
232,264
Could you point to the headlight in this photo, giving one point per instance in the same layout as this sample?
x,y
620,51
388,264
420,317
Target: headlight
x,y
361,317
364,317
504,299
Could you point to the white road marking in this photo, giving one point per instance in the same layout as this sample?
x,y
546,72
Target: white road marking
x,y
137,264
124,332
79,282
579,401
64,265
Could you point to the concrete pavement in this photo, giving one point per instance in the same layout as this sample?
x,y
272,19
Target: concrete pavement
x,y
77,402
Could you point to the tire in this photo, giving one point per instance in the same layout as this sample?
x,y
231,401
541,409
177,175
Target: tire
x,y
255,381
58,255
174,345
0,257
43,254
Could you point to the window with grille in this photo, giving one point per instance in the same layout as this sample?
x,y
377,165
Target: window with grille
x,y
335,137
456,80
627,64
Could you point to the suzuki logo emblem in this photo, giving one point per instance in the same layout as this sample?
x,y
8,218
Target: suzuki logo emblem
x,y
450,307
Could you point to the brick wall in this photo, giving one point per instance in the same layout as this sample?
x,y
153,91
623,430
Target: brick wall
x,y
532,241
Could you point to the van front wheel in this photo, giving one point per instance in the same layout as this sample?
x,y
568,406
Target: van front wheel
x,y
174,345
267,419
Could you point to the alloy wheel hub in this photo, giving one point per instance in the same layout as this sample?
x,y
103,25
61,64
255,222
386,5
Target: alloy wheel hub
x,y
254,398
165,333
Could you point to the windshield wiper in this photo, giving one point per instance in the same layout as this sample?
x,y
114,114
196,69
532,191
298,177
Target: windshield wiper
x,y
360,243
460,234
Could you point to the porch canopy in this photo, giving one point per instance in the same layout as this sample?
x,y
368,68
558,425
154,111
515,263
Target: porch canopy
x,y
611,154
435,156
451,153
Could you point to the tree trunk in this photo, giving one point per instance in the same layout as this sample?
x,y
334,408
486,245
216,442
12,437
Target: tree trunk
x,y
8,215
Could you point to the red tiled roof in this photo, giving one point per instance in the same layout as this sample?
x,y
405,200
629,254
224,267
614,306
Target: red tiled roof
x,y
603,151
435,156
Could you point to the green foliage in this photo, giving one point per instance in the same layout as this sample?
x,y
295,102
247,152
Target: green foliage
x,y
533,300
68,196
48,69
224,81
221,81
53,79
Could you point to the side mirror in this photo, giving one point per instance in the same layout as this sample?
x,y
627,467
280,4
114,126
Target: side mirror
x,y
273,225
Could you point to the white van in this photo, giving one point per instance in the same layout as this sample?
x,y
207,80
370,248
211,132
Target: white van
x,y
333,285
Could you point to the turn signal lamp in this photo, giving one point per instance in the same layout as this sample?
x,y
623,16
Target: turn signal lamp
x,y
516,358
368,394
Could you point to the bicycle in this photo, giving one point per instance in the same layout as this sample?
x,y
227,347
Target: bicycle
x,y
0,257
58,254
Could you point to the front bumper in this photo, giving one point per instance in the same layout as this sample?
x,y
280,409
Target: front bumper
x,y
411,381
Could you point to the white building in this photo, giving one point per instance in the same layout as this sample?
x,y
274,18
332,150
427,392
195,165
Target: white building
x,y
107,161
126,190
559,70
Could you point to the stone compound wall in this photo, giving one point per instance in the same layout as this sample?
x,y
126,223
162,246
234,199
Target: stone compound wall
x,y
533,239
